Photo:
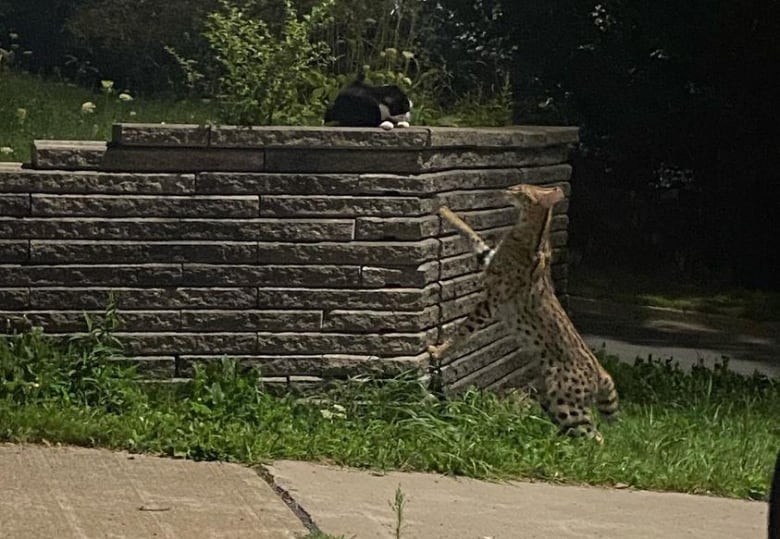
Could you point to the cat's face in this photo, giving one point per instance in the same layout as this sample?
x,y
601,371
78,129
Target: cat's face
x,y
393,102
526,196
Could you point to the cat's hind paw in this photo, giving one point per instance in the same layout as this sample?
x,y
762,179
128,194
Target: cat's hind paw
x,y
386,125
403,124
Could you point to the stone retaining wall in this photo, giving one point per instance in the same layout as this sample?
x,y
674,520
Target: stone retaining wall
x,y
312,252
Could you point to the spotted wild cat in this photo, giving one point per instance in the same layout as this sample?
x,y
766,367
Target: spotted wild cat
x,y
519,287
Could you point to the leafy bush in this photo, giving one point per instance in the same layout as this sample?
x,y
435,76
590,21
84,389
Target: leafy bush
x,y
124,40
381,37
480,107
79,370
469,41
40,27
264,76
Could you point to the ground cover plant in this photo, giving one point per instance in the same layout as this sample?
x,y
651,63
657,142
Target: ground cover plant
x,y
33,108
704,431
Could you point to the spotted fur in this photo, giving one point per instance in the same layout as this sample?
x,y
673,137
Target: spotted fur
x,y
519,287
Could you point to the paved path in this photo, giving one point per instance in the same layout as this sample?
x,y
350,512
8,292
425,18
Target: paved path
x,y
631,331
357,503
82,493
90,493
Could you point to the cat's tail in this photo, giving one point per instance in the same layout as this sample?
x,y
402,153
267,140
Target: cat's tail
x,y
607,397
481,249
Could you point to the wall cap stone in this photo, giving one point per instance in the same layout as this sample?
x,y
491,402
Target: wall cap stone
x,y
231,136
67,154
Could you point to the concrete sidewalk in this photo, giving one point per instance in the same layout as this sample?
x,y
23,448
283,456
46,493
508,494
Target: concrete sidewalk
x,y
68,492
71,492
357,503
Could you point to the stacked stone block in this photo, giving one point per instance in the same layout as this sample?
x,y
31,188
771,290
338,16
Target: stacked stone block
x,y
310,252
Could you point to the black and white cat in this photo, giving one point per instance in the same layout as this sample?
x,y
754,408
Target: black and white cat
x,y
362,105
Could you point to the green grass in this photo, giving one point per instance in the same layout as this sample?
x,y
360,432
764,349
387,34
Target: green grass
x,y
702,432
53,110
656,290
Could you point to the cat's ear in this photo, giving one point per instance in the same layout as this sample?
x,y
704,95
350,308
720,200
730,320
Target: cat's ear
x,y
361,75
551,197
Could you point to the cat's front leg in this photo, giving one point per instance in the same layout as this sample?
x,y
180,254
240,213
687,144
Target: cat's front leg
x,y
437,351
387,125
478,318
403,123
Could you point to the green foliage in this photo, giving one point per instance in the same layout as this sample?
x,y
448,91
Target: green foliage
x,y
398,505
381,37
79,370
266,77
35,108
385,39
124,40
374,33
12,54
38,25
705,431
287,73
469,40
478,108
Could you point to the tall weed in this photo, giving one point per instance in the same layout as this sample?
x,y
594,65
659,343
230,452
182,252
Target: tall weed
x,y
79,370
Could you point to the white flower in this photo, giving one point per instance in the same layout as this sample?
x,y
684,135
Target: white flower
x,y
6,150
124,96
87,107
339,412
132,113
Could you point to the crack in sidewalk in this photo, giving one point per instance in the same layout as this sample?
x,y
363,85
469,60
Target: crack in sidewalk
x,y
298,510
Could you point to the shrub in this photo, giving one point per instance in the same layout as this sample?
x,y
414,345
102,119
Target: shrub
x,y
125,41
264,76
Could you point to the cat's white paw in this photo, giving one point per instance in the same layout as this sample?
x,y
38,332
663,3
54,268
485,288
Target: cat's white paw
x,y
402,124
386,125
